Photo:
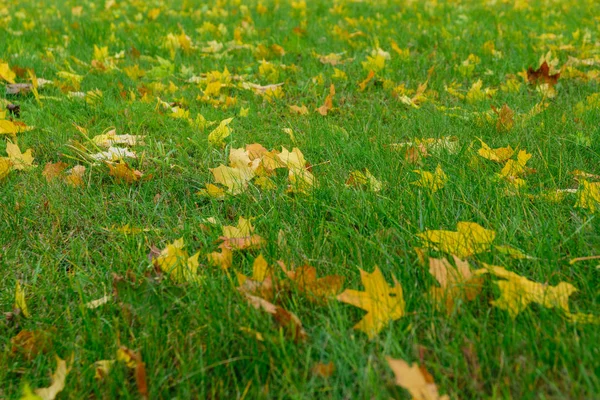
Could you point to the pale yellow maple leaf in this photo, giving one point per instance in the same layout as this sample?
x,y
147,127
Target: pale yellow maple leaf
x,y
470,238
20,161
517,292
516,168
175,261
413,378
235,179
431,181
382,302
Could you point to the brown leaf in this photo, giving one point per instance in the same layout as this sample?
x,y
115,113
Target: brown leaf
x,y
542,75
284,318
31,343
320,289
52,171
323,370
506,119
18,88
328,105
124,173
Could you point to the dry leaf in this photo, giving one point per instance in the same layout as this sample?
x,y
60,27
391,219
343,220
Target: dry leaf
x,y
456,283
284,318
416,380
542,75
328,105
58,381
175,262
305,278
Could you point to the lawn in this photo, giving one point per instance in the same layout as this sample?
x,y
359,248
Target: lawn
x,y
300,199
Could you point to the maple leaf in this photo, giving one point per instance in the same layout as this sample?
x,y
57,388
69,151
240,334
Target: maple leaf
x,y
20,302
6,73
102,368
360,178
382,303
415,379
456,283
20,161
5,167
123,172
299,110
217,136
301,179
500,154
506,119
432,182
235,179
133,360
305,278
542,75
328,105
114,154
175,261
284,318
517,292
222,259
75,176
589,195
261,282
31,343
241,237
52,171
59,378
470,238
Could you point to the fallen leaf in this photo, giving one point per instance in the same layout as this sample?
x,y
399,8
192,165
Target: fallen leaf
x,y
506,118
6,73
382,303
20,302
364,178
363,84
328,104
111,138
133,360
416,380
589,195
432,182
20,161
5,167
218,135
58,381
175,262
52,171
102,368
298,110
323,370
98,302
470,238
114,154
456,283
241,237
123,172
260,283
305,278
500,154
284,318
31,343
542,75
517,292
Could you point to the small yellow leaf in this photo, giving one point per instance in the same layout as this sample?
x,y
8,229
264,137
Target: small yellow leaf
x,y
6,73
20,302
500,154
432,182
589,195
218,135
382,302
175,261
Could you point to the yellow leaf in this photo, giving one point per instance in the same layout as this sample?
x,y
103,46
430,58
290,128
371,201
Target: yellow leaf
x,y
212,191
415,379
299,110
589,195
123,172
5,167
20,302
260,283
470,238
217,136
432,182
360,178
20,161
102,368
516,168
28,394
517,292
58,381
455,282
235,179
500,154
6,73
382,303
175,261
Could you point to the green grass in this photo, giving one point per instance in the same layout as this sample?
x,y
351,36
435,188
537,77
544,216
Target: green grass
x,y
54,237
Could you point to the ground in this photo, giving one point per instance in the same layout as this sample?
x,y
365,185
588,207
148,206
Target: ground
x,y
435,161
